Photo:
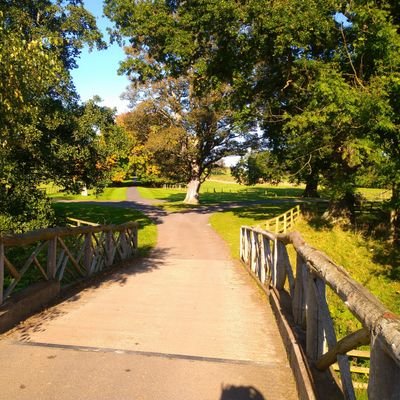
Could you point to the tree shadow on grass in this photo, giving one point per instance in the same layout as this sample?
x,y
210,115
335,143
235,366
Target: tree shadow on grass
x,y
388,256
262,212
109,212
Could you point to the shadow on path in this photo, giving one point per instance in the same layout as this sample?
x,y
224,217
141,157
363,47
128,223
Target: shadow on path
x,y
241,393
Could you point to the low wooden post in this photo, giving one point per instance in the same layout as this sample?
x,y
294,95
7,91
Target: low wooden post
x,y
2,256
284,223
384,373
52,258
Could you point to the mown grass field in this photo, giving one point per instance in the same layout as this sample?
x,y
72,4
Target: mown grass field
x,y
110,193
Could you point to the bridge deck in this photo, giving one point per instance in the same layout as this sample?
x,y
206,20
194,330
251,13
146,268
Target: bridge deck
x,y
188,323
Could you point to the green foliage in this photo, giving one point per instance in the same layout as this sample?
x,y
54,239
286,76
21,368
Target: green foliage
x,y
23,209
45,134
320,77
258,167
176,135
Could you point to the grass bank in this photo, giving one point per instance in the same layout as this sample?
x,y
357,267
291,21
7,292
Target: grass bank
x,y
372,263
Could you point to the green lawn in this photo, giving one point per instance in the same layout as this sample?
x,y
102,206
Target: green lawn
x,y
147,236
218,192
109,193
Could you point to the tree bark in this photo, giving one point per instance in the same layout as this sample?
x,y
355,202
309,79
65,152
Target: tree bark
x,y
342,210
192,194
395,214
311,189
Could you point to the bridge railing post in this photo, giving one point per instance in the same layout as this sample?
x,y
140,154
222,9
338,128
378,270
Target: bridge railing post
x,y
52,258
266,255
384,373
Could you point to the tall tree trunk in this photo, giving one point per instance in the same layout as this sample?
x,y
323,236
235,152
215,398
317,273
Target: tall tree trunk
x,y
311,189
192,194
395,214
342,210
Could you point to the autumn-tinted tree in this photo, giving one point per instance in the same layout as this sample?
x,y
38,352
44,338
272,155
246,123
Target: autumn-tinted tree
x,y
184,135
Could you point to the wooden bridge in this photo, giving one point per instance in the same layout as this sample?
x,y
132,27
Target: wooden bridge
x,y
186,323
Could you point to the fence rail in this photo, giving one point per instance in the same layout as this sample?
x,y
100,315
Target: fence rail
x,y
283,222
80,222
65,254
265,253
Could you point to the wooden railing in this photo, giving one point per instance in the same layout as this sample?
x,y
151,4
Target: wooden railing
x,y
66,254
283,222
80,222
266,255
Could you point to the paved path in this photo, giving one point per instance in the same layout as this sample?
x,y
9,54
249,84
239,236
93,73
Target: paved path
x,y
187,323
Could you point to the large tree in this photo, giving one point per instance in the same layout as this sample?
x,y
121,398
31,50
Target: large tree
x,y
309,71
40,117
184,134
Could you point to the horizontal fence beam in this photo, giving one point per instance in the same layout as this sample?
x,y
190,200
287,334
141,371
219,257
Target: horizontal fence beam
x,y
50,233
64,254
315,269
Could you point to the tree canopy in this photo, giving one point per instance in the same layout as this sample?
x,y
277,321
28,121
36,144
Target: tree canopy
x,y
179,133
45,133
320,78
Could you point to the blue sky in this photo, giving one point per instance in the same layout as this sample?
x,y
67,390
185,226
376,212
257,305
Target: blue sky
x,y
97,72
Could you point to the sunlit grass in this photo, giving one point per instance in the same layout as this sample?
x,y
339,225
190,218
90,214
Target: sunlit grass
x,y
219,192
109,193
372,263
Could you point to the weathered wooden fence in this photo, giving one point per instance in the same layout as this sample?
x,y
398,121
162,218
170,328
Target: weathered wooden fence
x,y
265,253
65,254
283,222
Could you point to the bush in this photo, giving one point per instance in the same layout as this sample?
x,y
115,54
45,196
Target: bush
x,y
24,209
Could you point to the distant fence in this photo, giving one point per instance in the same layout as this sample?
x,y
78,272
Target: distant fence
x,y
64,254
283,222
80,222
266,255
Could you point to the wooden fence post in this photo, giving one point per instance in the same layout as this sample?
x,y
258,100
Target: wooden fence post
x,y
253,259
52,258
88,253
263,260
279,265
384,373
299,298
1,271
109,248
241,241
315,329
